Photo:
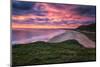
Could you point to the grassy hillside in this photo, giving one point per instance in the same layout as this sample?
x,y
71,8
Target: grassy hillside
x,y
89,31
91,27
47,53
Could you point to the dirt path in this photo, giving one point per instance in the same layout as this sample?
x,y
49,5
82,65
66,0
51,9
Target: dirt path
x,y
74,35
53,36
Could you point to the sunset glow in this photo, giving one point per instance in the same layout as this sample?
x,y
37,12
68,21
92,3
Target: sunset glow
x,y
34,26
51,16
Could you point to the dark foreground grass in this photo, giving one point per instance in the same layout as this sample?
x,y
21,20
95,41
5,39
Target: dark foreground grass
x,y
47,53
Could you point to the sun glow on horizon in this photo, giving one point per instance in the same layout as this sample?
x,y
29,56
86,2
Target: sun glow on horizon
x,y
51,16
37,26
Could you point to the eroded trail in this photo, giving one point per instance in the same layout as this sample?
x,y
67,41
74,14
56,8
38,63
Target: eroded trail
x,y
52,36
74,35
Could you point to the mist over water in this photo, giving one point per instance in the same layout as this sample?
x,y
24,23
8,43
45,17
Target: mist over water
x,y
28,19
34,35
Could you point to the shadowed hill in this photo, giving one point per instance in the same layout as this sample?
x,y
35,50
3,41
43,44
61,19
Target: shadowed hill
x,y
91,27
57,37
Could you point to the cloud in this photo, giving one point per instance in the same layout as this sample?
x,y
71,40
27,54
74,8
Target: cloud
x,y
21,7
86,10
52,13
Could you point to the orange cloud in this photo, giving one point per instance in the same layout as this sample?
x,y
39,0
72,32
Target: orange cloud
x,y
37,26
53,15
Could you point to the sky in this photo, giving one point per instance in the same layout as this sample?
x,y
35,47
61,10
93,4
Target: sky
x,y
37,15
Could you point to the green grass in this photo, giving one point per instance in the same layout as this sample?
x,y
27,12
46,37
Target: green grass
x,y
47,53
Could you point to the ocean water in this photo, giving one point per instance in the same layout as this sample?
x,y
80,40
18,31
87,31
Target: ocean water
x,y
28,36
